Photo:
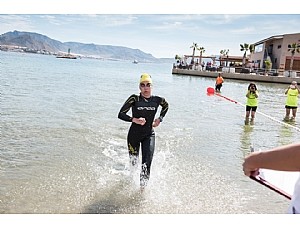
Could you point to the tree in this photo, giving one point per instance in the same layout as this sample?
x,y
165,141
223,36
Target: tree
x,y
202,50
225,53
177,58
194,46
268,64
293,48
246,48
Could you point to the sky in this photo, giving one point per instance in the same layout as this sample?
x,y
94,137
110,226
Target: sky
x,y
163,33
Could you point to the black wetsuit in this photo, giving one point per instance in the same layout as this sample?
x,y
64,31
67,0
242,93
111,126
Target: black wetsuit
x,y
142,134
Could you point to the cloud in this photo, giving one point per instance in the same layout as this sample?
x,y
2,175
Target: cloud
x,y
226,19
15,22
54,20
245,30
156,33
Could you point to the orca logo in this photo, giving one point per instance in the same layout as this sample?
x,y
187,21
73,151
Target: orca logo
x,y
146,108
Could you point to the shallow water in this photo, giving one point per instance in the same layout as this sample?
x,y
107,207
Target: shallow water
x,y
63,149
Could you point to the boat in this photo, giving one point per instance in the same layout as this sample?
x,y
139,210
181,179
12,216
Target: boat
x,y
67,56
135,61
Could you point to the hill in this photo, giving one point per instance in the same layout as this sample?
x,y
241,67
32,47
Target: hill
x,y
38,43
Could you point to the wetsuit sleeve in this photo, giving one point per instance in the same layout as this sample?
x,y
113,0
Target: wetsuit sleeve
x,y
165,107
126,107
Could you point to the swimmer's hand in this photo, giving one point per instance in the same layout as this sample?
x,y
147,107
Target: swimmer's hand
x,y
140,121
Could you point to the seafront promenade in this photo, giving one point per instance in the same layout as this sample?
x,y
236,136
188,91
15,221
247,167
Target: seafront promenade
x,y
238,76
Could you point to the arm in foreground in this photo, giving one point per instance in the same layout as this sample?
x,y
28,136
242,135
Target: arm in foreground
x,y
283,158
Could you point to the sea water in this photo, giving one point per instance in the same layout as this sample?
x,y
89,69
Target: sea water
x,y
63,149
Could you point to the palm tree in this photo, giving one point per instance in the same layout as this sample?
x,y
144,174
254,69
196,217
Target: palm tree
x,y
202,50
293,48
194,46
225,53
246,48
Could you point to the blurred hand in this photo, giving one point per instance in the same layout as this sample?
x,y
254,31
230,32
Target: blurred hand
x,y
140,121
248,168
156,123
250,172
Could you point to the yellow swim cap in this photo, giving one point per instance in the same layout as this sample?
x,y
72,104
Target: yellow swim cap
x,y
146,78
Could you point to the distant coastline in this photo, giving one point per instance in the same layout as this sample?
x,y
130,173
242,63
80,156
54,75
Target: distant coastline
x,y
12,48
28,42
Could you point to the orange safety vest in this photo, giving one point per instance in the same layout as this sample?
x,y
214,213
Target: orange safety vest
x,y
219,80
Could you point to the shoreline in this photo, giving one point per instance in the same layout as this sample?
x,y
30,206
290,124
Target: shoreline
x,y
238,76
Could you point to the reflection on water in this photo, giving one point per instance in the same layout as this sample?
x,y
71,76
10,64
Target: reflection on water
x,y
246,142
285,135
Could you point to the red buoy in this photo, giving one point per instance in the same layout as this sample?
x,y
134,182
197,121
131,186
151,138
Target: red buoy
x,y
210,90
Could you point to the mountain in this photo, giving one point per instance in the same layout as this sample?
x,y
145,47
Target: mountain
x,y
34,42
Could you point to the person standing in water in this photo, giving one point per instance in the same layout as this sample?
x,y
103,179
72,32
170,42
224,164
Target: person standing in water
x,y
252,102
219,82
291,103
141,133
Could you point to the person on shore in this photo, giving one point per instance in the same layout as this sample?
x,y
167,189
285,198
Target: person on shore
x,y
252,102
291,103
219,82
282,158
141,133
